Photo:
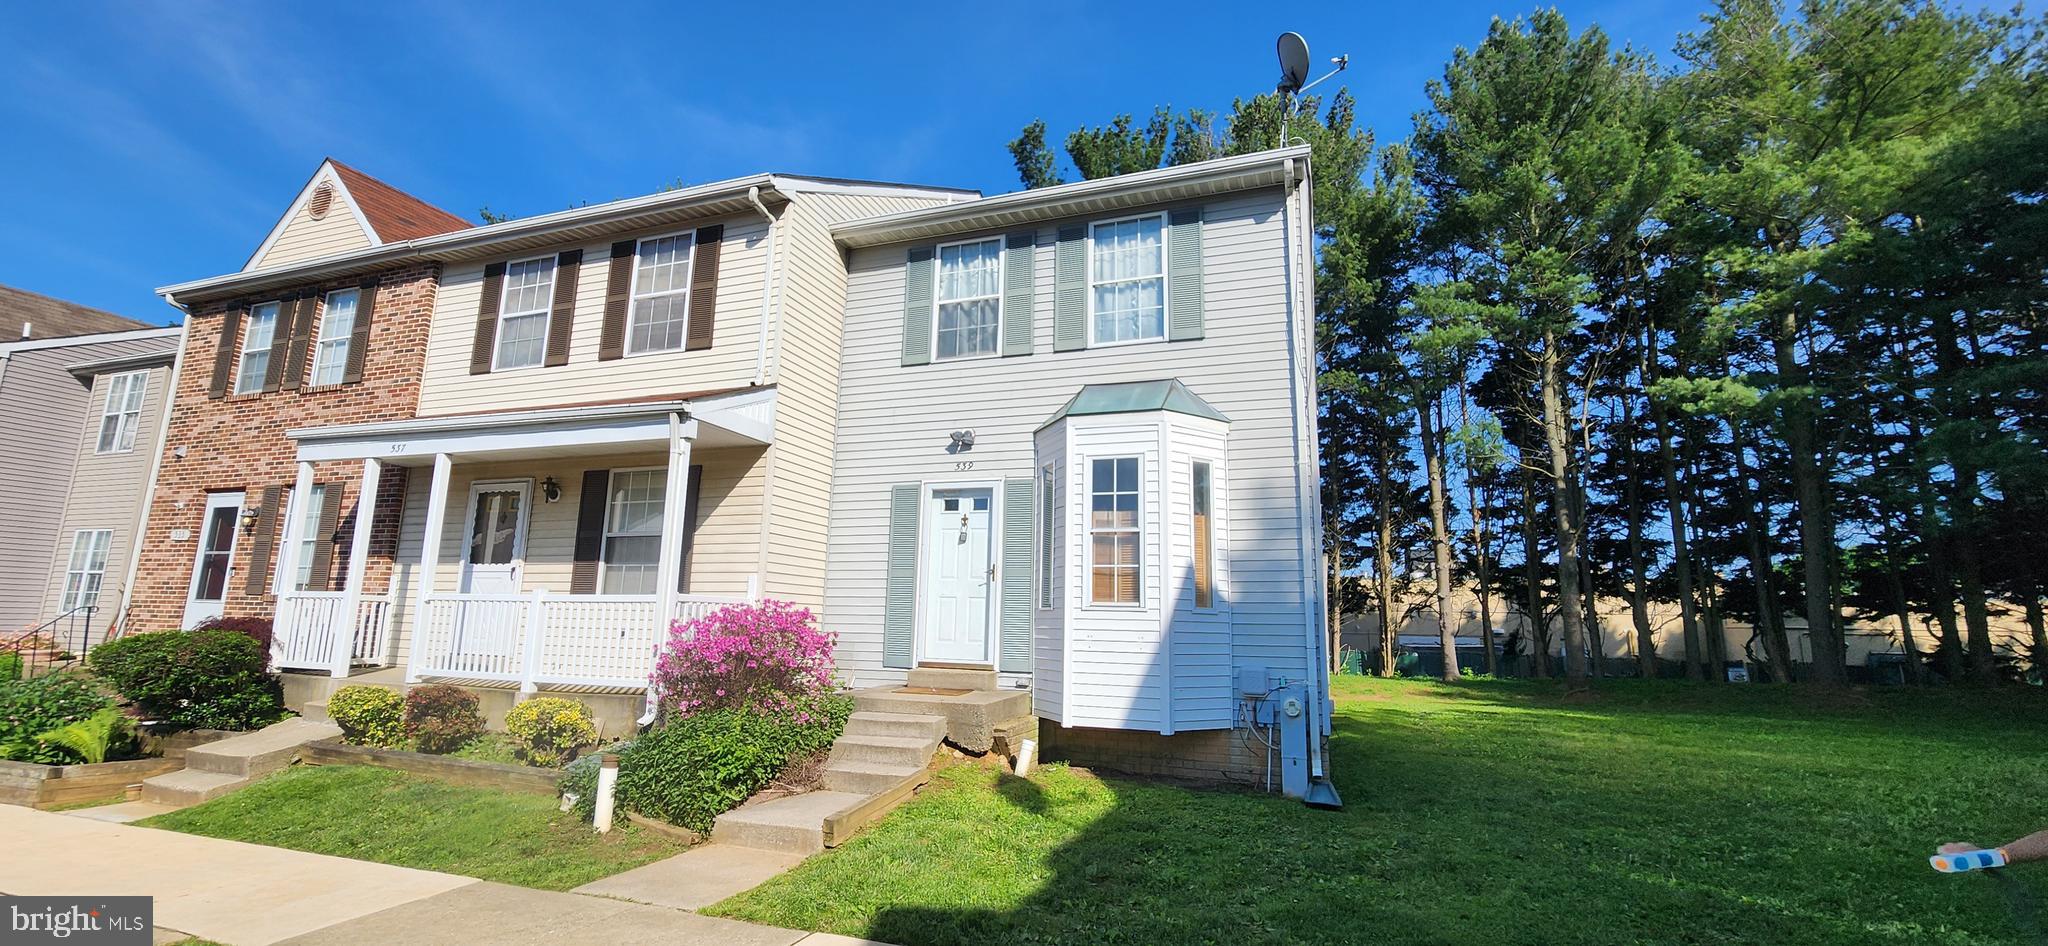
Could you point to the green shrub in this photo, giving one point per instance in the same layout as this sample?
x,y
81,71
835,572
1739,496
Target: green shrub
x,y
29,708
93,739
440,717
368,716
212,679
10,666
699,767
548,728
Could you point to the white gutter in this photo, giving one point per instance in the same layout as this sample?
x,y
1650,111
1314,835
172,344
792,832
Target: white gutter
x,y
68,341
767,283
1306,478
156,465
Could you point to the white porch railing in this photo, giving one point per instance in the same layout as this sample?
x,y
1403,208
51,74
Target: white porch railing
x,y
306,623
541,638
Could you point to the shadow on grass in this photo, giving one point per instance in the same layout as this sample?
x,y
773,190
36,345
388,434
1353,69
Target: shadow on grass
x,y
1471,825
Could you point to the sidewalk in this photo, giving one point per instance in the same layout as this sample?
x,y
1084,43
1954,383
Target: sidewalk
x,y
251,895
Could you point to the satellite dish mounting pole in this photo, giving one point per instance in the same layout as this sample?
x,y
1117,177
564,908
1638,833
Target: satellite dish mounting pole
x,y
1293,51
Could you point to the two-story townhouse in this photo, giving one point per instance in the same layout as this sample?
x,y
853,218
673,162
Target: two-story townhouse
x,y
80,393
1076,453
325,323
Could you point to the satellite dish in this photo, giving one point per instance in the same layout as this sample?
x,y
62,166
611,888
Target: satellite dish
x,y
1293,62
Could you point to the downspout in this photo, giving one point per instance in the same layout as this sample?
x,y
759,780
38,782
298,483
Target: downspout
x,y
767,287
1305,481
156,463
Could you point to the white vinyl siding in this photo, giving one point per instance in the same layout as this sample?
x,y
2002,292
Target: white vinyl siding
x,y
1127,280
87,569
969,298
661,294
123,413
632,531
257,335
337,328
523,313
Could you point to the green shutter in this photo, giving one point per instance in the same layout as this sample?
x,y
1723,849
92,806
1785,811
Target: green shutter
x,y
1184,275
917,308
1070,290
1016,611
1018,250
899,605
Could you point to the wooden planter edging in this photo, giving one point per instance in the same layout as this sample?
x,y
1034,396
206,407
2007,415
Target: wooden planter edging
x,y
49,786
512,778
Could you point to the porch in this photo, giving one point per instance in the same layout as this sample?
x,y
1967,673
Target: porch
x,y
545,549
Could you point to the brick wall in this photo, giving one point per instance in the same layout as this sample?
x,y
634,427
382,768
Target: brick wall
x,y
1218,755
237,443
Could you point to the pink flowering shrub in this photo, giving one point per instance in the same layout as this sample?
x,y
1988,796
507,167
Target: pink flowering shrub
x,y
768,657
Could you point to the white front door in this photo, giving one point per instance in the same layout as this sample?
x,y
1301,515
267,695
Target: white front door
x,y
959,572
495,548
214,562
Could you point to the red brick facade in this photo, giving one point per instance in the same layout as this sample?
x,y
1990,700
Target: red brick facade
x,y
237,443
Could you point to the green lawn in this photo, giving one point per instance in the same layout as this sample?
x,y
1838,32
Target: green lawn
x,y
381,815
1490,812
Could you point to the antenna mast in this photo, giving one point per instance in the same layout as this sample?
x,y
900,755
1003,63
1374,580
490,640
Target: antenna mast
x,y
1293,52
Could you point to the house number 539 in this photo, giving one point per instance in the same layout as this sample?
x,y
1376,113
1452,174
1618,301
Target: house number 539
x,y
964,465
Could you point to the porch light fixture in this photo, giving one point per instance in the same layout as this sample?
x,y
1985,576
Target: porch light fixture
x,y
963,439
249,516
551,489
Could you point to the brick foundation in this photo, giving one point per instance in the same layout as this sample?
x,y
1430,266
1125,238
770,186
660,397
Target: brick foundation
x,y
1215,756
238,443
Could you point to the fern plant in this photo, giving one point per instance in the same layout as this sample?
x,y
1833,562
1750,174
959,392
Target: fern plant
x,y
90,738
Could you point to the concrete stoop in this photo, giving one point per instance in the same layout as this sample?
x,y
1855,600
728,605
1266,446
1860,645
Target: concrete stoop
x,y
217,768
971,717
876,764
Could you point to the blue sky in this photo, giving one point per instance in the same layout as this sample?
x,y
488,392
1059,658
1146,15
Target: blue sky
x,y
154,143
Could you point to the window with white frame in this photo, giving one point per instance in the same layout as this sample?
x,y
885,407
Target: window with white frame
x,y
1202,479
337,328
523,313
123,412
88,566
632,531
661,295
307,513
1127,280
1046,556
257,335
1115,542
970,298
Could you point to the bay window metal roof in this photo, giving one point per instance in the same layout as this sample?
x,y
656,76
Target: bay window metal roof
x,y
1135,397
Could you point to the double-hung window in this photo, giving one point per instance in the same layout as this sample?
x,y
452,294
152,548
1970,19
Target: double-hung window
x,y
1115,541
123,413
523,313
307,511
632,531
1127,280
661,294
257,335
970,298
337,327
87,567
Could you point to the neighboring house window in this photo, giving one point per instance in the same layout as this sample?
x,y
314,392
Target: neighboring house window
x,y
1127,281
661,295
308,515
337,326
970,298
256,339
88,566
1114,541
523,312
1046,510
632,531
1205,536
123,413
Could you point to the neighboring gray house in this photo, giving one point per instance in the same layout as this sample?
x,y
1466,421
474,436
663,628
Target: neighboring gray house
x,y
67,507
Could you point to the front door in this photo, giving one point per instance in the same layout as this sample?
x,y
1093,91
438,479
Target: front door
x,y
496,547
959,573
214,561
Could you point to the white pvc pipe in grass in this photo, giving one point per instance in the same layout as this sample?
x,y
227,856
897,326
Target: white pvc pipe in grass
x,y
1027,753
607,780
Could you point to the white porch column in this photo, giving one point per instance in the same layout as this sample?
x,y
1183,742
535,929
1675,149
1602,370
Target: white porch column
x,y
675,512
430,558
288,559
358,562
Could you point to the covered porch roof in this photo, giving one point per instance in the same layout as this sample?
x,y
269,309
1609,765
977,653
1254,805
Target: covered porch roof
x,y
739,418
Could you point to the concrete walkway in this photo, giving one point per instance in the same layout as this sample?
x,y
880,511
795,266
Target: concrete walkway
x,y
696,878
252,895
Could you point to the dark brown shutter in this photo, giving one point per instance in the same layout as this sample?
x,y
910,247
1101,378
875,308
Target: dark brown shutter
x,y
690,526
230,342
323,537
589,532
560,321
359,340
281,328
264,540
618,297
485,345
703,288
300,321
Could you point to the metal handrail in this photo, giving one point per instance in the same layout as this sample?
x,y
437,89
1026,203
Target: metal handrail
x,y
36,659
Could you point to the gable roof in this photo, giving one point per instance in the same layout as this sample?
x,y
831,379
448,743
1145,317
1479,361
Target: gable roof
x,y
392,213
55,318
1133,397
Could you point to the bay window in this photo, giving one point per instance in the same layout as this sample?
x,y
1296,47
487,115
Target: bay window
x,y
1115,540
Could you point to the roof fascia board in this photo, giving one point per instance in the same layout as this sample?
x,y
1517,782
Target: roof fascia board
x,y
66,341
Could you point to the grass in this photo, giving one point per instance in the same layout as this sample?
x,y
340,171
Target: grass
x,y
490,747
396,818
1487,812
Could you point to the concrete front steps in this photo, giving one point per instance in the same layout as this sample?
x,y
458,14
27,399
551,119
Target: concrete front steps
x,y
876,764
973,717
217,768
